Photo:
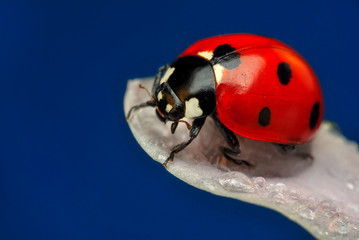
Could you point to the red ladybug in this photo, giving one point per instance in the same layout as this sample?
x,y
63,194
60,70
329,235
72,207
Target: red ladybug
x,y
250,85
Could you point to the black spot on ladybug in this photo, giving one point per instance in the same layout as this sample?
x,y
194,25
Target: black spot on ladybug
x,y
226,56
264,117
314,115
284,73
222,50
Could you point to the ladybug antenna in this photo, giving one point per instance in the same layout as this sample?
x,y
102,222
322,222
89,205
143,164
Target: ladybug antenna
x,y
185,122
175,124
151,103
160,116
141,105
148,92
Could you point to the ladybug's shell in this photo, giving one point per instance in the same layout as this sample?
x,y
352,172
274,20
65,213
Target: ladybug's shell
x,y
253,102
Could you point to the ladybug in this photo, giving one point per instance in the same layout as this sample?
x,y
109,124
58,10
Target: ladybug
x,y
253,86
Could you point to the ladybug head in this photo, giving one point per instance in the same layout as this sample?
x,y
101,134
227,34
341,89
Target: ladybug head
x,y
186,88
169,105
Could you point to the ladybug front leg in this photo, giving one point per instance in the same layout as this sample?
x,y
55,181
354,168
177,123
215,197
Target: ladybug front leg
x,y
197,124
231,140
141,105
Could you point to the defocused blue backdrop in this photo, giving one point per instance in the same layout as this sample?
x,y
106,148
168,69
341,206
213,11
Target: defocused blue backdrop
x,y
69,166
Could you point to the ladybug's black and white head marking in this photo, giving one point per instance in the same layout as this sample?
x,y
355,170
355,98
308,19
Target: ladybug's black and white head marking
x,y
186,89
169,106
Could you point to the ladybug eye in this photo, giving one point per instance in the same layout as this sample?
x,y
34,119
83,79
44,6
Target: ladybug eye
x,y
160,116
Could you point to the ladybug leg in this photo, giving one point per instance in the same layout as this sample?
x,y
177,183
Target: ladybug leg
x,y
290,149
231,140
193,133
141,105
227,152
285,148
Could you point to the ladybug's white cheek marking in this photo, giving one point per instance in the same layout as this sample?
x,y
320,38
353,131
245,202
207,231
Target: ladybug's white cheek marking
x,y
193,109
159,96
168,108
167,75
218,72
206,54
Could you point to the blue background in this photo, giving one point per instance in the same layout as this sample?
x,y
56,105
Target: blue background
x,y
69,166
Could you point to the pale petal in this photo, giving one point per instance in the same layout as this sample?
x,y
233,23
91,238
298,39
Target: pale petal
x,y
322,195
